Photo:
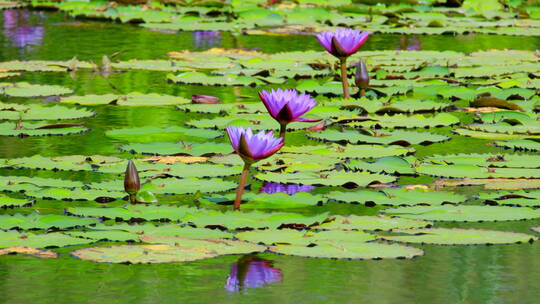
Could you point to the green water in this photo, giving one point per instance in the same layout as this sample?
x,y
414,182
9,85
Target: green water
x,y
446,274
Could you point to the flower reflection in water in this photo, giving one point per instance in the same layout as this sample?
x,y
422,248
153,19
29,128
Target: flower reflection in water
x,y
206,39
285,188
252,272
411,43
20,29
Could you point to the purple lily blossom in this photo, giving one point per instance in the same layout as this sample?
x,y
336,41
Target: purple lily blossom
x,y
288,105
342,42
252,272
253,147
285,188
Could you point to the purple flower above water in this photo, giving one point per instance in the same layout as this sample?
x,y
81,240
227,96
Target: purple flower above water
x,y
253,147
342,42
285,188
287,106
252,272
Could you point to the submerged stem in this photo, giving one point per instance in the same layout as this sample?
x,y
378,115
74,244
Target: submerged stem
x,y
345,84
241,186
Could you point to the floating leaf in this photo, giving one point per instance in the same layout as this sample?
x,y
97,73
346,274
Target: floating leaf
x,y
45,254
25,89
268,201
131,99
142,254
398,197
155,134
295,237
36,221
396,137
362,251
133,212
10,111
512,198
46,240
10,202
219,246
330,178
182,148
464,213
39,129
457,236
355,222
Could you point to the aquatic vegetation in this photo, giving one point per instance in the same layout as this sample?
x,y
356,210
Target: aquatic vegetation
x,y
251,148
287,106
342,43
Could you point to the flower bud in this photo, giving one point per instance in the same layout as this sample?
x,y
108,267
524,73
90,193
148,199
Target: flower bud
x,y
361,76
131,179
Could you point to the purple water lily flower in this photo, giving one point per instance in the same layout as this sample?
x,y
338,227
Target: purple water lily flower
x,y
251,148
252,272
342,42
287,106
285,188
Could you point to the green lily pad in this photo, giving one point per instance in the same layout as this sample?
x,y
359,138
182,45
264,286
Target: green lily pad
x,y
253,121
389,164
348,151
360,251
132,212
407,121
36,221
464,213
397,197
25,89
21,183
512,198
366,222
383,137
40,129
219,246
166,230
295,237
457,236
9,111
205,79
330,178
155,134
268,201
142,254
131,99
252,219
77,194
46,240
105,235
173,185
10,202
185,148
45,66
520,144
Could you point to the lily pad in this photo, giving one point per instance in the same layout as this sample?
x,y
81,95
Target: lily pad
x,y
398,197
36,221
10,111
330,178
219,246
142,254
131,99
457,236
10,202
520,144
268,201
366,222
383,137
25,89
40,129
360,251
295,237
45,240
133,212
464,213
155,134
389,164
512,198
185,148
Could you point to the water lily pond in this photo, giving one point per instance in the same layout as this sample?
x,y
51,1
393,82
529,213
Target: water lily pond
x,y
124,138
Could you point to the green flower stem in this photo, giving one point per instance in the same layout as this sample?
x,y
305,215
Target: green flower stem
x,y
283,131
241,185
343,65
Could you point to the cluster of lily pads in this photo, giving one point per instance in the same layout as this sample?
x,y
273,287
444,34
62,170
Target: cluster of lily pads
x,y
357,151
308,16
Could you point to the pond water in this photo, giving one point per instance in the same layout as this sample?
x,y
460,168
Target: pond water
x,y
446,274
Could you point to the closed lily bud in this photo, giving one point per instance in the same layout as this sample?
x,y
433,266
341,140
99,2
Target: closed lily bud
x,y
361,76
132,183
